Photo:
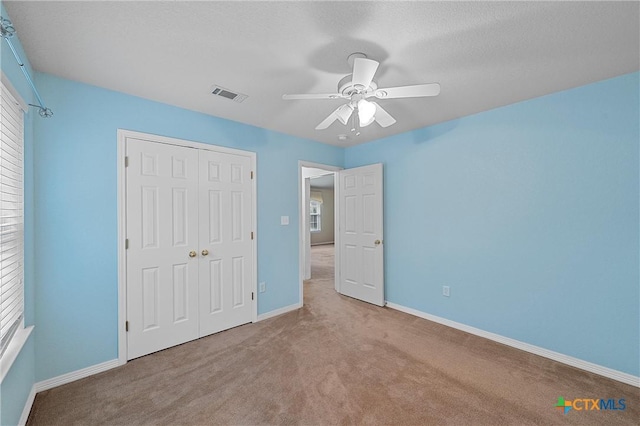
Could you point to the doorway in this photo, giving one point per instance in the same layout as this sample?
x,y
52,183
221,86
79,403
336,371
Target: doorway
x,y
316,183
322,230
358,230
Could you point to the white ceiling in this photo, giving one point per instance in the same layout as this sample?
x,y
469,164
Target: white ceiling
x,y
323,182
484,54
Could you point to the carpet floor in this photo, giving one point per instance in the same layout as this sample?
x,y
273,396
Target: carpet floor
x,y
335,361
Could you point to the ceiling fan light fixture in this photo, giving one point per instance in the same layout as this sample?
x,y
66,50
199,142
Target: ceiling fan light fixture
x,y
366,112
344,112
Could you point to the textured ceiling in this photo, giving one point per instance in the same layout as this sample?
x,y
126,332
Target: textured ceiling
x,y
323,182
484,54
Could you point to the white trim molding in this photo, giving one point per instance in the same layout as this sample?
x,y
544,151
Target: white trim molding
x,y
536,350
27,407
279,311
75,375
63,380
14,348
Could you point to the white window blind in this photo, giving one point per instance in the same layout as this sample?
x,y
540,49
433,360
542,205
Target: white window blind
x,y
11,217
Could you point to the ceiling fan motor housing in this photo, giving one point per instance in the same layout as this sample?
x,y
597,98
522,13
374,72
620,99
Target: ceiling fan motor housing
x,y
347,88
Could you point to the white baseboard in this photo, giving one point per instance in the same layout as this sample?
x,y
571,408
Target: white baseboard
x,y
556,356
280,311
61,380
27,407
75,375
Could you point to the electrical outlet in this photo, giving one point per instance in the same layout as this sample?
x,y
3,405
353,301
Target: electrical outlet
x,y
262,287
445,290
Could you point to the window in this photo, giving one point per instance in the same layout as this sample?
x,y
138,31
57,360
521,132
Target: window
x,y
316,219
11,217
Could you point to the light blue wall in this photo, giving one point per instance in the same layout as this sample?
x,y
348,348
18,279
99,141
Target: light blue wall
x,y
76,220
529,213
16,386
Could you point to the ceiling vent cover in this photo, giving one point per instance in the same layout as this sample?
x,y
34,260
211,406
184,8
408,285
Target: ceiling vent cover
x,y
228,94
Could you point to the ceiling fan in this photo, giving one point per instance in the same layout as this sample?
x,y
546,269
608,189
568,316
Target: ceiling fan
x,y
357,87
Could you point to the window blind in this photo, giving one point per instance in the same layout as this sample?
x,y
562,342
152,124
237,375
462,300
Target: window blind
x,y
11,216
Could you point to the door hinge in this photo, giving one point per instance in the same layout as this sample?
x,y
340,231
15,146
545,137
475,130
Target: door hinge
x,y
251,295
251,174
252,235
126,244
126,161
126,326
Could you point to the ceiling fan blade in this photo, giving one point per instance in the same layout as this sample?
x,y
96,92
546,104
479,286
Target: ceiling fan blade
x,y
313,96
363,71
329,120
416,91
383,118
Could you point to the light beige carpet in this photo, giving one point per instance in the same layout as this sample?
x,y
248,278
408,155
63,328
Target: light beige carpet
x,y
335,361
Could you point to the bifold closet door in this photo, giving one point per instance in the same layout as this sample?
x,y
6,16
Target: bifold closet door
x,y
162,231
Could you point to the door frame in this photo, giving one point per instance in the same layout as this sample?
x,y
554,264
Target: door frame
x,y
301,221
123,135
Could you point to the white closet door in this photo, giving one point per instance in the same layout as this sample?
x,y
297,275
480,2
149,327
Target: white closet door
x,y
225,206
162,218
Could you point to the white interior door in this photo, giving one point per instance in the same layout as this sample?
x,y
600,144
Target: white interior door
x,y
360,234
162,280
225,241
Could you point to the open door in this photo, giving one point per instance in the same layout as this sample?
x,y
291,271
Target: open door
x,y
359,249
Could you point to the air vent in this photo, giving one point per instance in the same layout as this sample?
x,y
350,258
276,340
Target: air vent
x,y
226,93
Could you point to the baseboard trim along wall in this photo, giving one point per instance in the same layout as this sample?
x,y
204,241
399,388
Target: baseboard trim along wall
x,y
280,311
63,380
556,356
27,407
75,375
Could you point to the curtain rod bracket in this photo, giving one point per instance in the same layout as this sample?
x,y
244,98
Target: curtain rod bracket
x,y
44,112
6,28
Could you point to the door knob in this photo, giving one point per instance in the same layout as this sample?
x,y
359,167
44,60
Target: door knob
x,y
377,242
193,253
205,252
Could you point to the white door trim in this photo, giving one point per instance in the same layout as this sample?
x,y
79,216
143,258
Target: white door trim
x,y
301,221
123,135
